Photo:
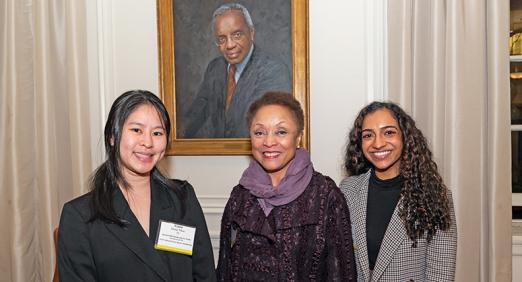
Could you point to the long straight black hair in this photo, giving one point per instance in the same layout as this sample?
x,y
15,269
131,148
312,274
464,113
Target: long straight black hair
x,y
108,176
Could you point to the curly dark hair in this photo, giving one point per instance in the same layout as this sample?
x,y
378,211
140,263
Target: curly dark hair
x,y
424,203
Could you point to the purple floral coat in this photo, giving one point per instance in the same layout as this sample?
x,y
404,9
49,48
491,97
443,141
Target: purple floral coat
x,y
308,239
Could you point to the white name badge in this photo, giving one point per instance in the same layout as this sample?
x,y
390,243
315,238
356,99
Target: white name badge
x,y
175,237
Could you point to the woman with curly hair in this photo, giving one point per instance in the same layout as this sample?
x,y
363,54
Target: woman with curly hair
x,y
402,213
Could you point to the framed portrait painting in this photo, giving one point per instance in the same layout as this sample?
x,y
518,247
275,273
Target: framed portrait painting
x,y
216,57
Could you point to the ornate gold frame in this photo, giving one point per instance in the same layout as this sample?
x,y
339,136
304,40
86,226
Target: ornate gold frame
x,y
229,146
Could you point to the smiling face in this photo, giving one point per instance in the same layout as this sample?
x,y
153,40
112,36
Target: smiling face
x,y
274,136
143,142
382,143
233,36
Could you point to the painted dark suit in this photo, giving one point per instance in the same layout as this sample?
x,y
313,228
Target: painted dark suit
x,y
102,251
206,117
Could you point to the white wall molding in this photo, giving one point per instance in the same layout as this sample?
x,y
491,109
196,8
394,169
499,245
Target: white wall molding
x,y
516,199
106,56
213,207
100,51
517,246
376,49
214,204
517,257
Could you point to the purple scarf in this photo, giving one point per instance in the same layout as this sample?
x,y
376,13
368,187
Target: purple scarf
x,y
297,177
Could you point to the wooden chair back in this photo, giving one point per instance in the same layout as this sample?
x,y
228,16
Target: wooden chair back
x,y
55,236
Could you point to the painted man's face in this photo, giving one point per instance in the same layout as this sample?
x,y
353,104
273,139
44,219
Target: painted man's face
x,y
233,36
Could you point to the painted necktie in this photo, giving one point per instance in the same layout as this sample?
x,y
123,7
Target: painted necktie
x,y
231,85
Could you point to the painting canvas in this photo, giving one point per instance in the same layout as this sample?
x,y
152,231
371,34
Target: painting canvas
x,y
193,70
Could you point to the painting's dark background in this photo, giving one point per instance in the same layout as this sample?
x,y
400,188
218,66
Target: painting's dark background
x,y
194,44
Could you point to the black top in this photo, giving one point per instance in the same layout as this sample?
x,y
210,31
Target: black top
x,y
383,196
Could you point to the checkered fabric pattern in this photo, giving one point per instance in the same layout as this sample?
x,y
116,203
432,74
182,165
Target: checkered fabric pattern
x,y
397,259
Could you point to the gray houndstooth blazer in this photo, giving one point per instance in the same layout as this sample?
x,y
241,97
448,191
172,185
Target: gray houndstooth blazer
x,y
397,259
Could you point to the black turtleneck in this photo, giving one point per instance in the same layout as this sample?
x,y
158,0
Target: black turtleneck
x,y
383,196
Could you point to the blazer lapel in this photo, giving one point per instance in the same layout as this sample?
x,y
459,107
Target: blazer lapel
x,y
359,225
163,208
133,236
393,237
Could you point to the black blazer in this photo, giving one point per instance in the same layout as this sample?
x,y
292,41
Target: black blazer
x,y
101,251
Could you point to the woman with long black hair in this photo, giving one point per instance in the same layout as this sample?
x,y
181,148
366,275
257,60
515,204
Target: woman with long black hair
x,y
135,224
